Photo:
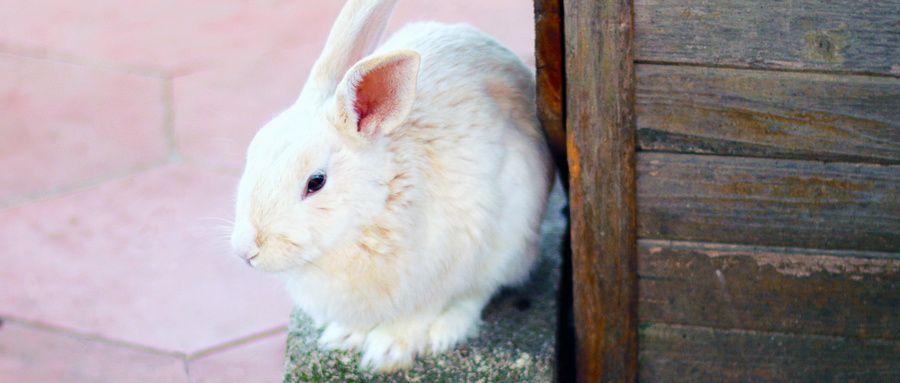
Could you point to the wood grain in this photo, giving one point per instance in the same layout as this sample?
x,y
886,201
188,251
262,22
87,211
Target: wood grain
x,y
835,35
600,141
823,292
698,354
549,57
768,114
769,202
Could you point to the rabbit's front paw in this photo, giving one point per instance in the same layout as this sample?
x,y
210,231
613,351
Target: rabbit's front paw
x,y
457,323
337,337
448,331
389,348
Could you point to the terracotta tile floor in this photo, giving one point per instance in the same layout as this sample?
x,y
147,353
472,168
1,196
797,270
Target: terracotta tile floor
x,y
122,128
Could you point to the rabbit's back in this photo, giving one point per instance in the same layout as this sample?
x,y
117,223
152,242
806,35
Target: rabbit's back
x,y
463,68
474,137
473,94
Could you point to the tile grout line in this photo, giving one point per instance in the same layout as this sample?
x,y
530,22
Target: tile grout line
x,y
36,325
172,155
64,58
168,104
95,182
100,64
187,369
236,343
82,186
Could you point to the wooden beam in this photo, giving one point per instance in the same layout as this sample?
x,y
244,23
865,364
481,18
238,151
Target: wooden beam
x,y
846,293
600,125
844,36
757,113
549,58
548,49
769,202
673,353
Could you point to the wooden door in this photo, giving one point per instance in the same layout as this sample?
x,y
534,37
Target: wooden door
x,y
734,181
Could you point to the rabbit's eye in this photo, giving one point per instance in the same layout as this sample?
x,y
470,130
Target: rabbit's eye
x,y
314,184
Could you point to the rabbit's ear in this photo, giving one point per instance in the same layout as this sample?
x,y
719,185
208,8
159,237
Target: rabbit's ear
x,y
355,34
377,94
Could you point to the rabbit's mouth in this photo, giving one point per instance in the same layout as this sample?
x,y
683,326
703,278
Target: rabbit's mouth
x,y
258,263
269,262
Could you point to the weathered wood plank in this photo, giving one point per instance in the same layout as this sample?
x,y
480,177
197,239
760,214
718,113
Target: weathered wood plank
x,y
769,202
600,142
550,93
823,292
768,114
697,354
548,52
836,35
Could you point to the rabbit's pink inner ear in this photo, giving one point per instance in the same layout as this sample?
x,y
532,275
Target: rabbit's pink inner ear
x,y
376,98
384,94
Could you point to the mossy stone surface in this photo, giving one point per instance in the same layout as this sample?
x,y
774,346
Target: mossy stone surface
x,y
515,342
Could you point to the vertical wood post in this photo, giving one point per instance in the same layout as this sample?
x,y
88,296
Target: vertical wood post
x,y
550,81
600,142
549,48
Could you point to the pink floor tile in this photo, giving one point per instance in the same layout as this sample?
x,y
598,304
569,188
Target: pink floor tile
x,y
179,36
142,260
171,35
260,361
218,111
29,354
510,21
64,125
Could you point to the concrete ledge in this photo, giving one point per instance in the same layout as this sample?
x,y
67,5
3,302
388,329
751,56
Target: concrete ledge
x,y
515,343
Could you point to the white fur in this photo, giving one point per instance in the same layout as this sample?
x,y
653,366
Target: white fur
x,y
418,223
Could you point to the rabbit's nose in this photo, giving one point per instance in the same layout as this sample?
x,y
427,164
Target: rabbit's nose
x,y
249,259
249,254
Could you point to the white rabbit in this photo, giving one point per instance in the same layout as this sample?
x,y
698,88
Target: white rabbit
x,y
402,189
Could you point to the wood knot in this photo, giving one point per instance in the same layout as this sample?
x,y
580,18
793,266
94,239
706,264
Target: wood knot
x,y
824,46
